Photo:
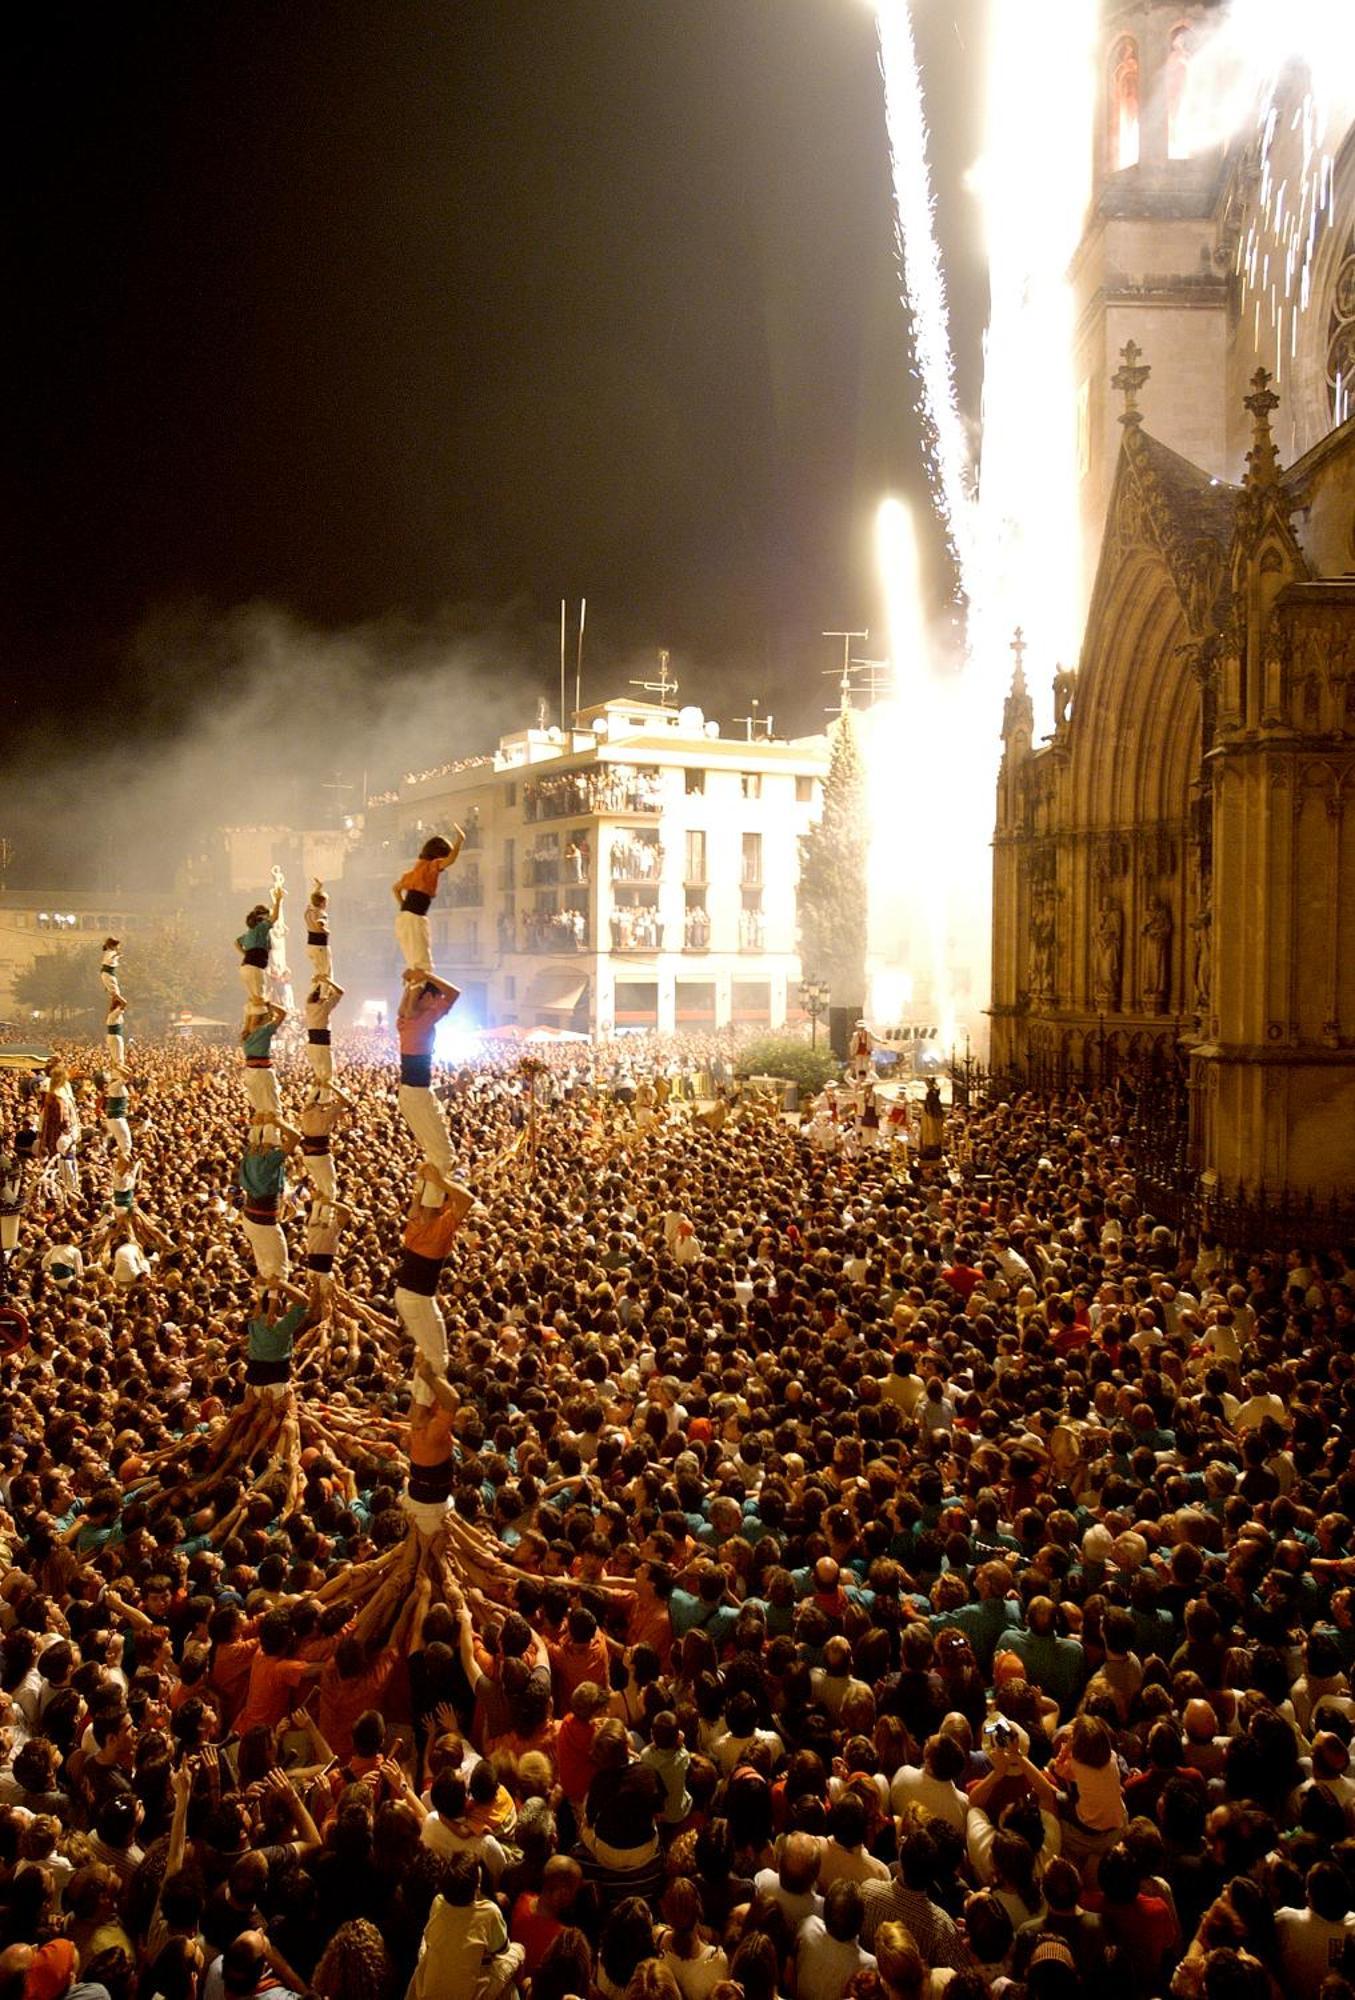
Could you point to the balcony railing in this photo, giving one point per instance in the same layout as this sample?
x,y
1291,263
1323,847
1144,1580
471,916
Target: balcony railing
x,y
554,933
464,891
586,793
635,861
636,930
541,871
750,875
696,936
752,937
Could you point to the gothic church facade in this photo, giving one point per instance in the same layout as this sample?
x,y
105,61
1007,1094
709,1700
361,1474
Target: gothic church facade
x,y
1174,867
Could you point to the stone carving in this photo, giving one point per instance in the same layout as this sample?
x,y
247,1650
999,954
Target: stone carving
x,y
1065,685
1202,974
1157,955
1106,969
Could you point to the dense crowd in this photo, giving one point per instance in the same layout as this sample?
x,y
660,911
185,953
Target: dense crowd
x,y
921,1580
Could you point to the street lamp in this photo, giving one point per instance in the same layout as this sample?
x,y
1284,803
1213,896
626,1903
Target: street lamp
x,y
814,1000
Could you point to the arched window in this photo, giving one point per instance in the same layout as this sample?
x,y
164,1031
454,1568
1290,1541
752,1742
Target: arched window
x,y
1124,104
1179,53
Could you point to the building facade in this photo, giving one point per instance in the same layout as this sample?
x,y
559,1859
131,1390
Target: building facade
x,y
1174,869
36,922
638,871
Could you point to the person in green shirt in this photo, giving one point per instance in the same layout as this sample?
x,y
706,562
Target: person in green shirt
x,y
282,1314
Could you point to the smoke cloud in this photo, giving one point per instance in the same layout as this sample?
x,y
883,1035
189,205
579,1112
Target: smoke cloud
x,y
254,718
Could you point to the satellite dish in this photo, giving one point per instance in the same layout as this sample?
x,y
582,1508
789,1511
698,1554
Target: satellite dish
x,y
690,721
712,730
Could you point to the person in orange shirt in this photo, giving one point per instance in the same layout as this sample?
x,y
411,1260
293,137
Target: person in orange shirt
x,y
234,1644
275,1679
414,893
581,1656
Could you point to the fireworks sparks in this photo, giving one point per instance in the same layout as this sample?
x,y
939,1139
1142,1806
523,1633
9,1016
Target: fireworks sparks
x,y
924,283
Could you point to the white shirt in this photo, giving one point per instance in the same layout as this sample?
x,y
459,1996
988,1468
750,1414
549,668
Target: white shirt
x,y
66,1257
129,1263
1310,1947
824,1965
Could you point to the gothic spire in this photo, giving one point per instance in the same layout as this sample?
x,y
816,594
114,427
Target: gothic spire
x,y
1263,460
1129,378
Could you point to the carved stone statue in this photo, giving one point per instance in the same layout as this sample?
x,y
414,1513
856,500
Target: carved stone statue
x,y
1157,955
1203,970
1065,686
1107,962
1042,956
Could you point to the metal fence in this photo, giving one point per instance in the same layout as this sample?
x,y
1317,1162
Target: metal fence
x,y
1154,1099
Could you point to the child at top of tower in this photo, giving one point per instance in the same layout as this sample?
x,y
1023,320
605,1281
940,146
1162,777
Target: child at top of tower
x,y
254,942
317,931
414,893
108,971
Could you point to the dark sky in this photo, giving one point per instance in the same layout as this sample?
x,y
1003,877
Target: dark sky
x,y
378,309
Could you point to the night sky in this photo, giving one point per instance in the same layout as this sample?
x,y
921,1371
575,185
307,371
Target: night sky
x,y
444,311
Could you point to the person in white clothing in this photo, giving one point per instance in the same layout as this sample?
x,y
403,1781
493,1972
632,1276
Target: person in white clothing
x,y
316,917
323,997
828,1950
1314,1941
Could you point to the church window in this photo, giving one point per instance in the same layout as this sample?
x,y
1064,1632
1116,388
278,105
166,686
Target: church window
x,y
1341,337
1178,93
1124,104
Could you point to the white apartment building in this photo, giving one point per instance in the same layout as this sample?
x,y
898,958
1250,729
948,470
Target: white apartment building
x,y
639,871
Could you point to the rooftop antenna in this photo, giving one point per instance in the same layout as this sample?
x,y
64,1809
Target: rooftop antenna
x,y
665,685
877,681
845,675
757,728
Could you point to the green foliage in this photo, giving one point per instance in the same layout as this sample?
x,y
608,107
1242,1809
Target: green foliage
x,y
171,969
784,1056
833,891
63,986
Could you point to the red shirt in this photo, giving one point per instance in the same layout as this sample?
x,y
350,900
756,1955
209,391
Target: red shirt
x,y
574,1758
962,1278
533,1928
271,1685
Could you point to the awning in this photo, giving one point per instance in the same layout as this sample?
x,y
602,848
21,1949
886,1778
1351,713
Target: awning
x,y
556,991
26,1057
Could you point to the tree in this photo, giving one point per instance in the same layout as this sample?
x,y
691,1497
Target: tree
x,y
833,892
783,1056
62,986
171,969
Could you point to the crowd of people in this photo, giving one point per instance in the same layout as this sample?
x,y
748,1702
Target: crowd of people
x,y
868,1574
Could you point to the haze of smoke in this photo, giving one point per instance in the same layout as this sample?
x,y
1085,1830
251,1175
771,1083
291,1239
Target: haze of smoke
x,y
253,718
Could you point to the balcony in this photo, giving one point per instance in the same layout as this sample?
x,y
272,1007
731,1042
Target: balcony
x,y
752,936
464,891
636,931
588,794
636,863
750,875
541,871
696,933
558,931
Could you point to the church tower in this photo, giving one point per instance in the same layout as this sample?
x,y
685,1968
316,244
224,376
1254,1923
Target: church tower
x,y
1153,267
